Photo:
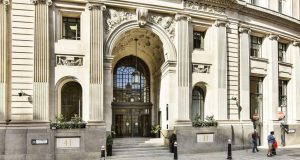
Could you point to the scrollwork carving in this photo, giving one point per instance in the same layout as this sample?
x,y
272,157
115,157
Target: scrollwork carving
x,y
115,17
189,4
47,2
142,15
244,29
166,22
96,6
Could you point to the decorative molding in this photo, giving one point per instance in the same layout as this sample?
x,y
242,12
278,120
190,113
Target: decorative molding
x,y
219,23
66,60
296,43
198,6
273,37
115,17
48,2
96,6
201,68
245,29
142,15
179,17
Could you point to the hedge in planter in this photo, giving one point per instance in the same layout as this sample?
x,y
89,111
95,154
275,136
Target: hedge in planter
x,y
61,123
207,122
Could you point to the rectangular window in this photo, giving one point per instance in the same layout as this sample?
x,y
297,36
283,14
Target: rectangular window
x,y
199,40
256,96
255,46
282,95
282,6
282,52
71,28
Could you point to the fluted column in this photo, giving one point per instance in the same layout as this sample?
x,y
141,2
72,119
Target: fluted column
x,y
183,68
221,66
96,63
3,58
108,90
41,61
244,73
295,83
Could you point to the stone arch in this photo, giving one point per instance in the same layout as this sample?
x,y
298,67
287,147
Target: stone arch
x,y
200,89
169,48
58,88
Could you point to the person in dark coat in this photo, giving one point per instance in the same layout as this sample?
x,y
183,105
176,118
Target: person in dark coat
x,y
254,141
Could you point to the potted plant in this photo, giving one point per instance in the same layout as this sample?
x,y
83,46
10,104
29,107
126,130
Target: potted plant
x,y
155,130
109,143
172,140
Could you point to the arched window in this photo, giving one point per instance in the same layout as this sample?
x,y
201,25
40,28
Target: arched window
x,y
128,85
71,100
197,103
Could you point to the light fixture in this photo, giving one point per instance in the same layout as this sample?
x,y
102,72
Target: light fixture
x,y
136,73
22,93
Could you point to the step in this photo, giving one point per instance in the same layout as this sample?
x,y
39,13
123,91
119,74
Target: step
x,y
139,148
135,156
139,152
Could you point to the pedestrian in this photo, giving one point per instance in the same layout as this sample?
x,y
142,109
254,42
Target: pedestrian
x,y
254,141
271,140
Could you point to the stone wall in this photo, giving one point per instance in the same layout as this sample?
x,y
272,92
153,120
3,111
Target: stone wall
x,y
15,144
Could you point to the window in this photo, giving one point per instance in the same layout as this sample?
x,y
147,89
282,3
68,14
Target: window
x,y
199,40
255,46
282,52
282,6
71,28
256,96
255,2
282,95
197,103
71,100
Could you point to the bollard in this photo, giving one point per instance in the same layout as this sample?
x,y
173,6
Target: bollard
x,y
102,153
175,150
229,154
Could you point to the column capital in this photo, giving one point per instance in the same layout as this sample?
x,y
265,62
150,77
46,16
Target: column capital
x,y
179,17
219,23
93,6
47,2
296,43
273,37
244,29
6,3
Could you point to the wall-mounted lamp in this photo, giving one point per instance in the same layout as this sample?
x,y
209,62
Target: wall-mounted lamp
x,y
22,93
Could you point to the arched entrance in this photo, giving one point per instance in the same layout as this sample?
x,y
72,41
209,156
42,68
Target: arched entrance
x,y
71,100
131,98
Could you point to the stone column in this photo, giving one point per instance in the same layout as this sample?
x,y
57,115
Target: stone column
x,y
96,64
244,100
108,90
183,69
3,58
221,66
295,82
41,61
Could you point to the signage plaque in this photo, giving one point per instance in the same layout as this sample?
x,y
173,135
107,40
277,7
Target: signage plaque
x,y
67,142
39,141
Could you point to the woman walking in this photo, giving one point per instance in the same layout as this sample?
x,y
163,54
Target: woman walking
x,y
271,140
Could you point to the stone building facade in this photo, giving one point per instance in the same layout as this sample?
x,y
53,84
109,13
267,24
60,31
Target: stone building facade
x,y
124,65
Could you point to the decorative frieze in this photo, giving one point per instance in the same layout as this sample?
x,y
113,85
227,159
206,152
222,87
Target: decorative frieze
x,y
69,60
198,6
166,22
201,68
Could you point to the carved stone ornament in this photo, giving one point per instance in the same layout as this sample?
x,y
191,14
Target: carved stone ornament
x,y
166,22
273,37
66,60
179,17
296,43
201,68
96,6
245,29
115,17
6,3
219,23
198,6
142,15
48,2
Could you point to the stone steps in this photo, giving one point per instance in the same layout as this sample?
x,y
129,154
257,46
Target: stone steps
x,y
132,148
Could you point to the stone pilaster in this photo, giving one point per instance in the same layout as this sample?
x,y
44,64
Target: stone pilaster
x,y
221,66
96,63
41,61
295,82
244,73
108,96
183,69
3,58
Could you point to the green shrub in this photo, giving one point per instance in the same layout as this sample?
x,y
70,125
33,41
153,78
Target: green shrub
x,y
61,123
172,138
207,122
155,128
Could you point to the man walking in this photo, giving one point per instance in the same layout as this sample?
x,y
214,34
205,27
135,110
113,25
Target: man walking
x,y
254,141
271,140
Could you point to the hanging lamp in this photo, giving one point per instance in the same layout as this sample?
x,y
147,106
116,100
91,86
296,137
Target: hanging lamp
x,y
136,73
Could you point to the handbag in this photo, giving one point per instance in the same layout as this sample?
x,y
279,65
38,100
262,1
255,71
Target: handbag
x,y
275,144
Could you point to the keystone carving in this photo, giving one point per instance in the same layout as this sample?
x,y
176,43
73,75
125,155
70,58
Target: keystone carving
x,y
142,15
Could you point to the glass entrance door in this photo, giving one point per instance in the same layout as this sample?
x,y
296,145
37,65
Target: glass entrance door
x,y
132,122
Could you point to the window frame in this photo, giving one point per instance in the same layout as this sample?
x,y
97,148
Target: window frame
x,y
200,38
258,48
63,30
282,52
